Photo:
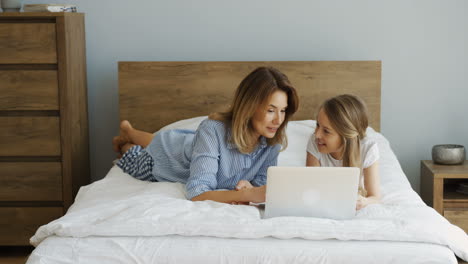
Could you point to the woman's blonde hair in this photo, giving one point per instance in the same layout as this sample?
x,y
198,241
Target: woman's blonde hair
x,y
348,116
252,93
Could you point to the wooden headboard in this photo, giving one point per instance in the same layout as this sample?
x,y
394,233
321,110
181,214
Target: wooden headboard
x,y
154,94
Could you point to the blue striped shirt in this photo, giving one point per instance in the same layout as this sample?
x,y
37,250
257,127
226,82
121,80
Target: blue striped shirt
x,y
205,161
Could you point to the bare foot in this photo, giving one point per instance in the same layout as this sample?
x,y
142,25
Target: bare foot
x,y
123,138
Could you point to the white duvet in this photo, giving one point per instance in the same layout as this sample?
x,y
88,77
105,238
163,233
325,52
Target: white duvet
x,y
119,205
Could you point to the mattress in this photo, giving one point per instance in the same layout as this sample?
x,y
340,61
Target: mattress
x,y
178,249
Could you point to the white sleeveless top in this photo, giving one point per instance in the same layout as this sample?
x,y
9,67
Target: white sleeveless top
x,y
369,155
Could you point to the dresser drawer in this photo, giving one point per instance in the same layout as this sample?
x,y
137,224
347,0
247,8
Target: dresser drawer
x,y
28,43
29,90
29,136
458,218
456,204
18,224
31,181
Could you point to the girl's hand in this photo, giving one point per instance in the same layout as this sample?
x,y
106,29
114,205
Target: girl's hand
x,y
361,202
243,184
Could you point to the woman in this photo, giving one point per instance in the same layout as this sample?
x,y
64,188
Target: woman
x,y
230,151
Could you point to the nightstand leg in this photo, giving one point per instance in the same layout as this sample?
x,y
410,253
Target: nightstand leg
x,y
438,202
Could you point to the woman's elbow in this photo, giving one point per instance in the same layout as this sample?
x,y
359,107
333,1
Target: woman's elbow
x,y
197,198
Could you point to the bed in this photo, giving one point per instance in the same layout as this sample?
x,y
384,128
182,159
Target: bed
x,y
122,220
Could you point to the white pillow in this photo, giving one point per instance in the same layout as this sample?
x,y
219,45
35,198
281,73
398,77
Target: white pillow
x,y
298,133
191,123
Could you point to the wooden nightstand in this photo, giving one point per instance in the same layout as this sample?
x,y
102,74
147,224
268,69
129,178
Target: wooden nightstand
x,y
438,185
44,148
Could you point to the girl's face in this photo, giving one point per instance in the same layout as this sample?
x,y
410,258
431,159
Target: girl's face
x,y
327,139
269,117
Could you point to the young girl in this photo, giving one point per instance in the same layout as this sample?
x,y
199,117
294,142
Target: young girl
x,y
230,150
340,141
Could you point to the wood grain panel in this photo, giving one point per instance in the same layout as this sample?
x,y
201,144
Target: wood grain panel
x,y
73,107
44,153
31,181
456,204
30,136
154,94
18,224
438,195
427,184
458,218
451,171
27,43
28,90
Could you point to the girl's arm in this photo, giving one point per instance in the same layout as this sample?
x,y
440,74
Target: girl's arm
x,y
372,185
312,161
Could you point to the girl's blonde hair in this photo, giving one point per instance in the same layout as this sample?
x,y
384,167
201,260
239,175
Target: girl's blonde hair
x,y
252,93
348,116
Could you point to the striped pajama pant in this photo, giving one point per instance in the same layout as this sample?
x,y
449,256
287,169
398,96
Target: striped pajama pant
x,y
138,163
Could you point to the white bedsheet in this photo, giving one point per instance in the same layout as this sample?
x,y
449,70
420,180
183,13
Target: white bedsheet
x,y
211,250
120,206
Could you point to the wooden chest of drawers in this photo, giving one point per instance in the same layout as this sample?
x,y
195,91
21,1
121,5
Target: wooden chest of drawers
x,y
44,148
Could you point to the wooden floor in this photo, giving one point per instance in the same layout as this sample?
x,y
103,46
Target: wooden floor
x,y
14,255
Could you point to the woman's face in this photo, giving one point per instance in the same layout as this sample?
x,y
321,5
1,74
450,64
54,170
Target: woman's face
x,y
269,117
327,139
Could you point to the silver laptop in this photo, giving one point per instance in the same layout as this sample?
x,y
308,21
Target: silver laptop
x,y
325,192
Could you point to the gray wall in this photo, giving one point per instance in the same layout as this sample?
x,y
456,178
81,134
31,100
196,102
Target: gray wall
x,y
422,44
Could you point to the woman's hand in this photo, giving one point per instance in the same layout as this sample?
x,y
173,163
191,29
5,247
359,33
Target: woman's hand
x,y
243,196
256,194
253,195
243,184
